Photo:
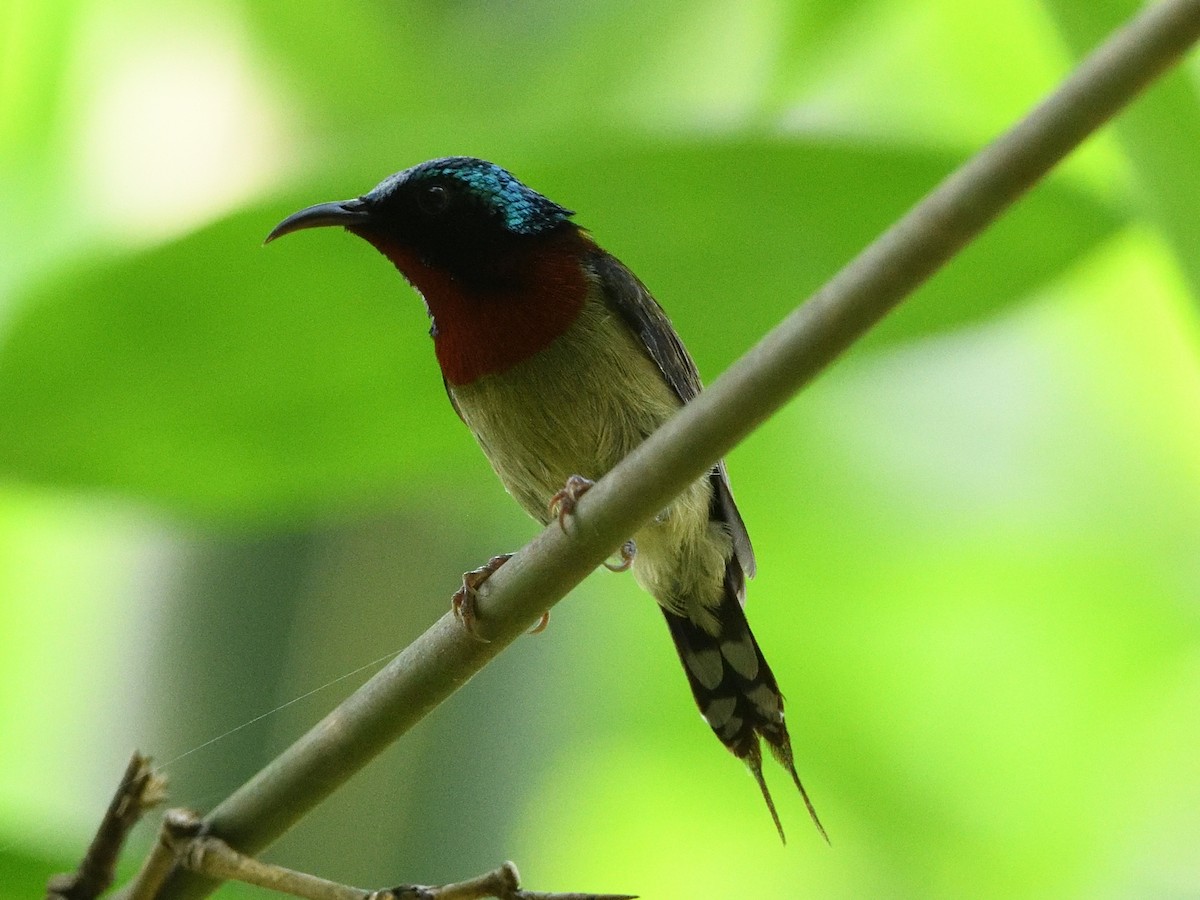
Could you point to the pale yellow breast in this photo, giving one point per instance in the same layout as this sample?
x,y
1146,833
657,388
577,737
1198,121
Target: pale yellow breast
x,y
577,408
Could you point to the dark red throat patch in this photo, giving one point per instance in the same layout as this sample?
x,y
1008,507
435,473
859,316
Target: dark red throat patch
x,y
479,332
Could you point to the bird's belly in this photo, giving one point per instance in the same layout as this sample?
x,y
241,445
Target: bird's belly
x,y
575,408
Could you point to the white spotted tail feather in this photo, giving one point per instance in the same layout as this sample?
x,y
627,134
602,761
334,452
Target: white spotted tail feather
x,y
736,691
731,681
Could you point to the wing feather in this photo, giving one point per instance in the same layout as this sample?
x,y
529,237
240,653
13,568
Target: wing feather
x,y
630,299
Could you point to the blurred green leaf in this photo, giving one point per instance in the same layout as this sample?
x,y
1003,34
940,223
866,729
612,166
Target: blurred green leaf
x,y
24,873
218,378
35,56
385,77
1160,133
730,235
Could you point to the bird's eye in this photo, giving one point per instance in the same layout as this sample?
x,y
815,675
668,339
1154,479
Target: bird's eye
x,y
433,199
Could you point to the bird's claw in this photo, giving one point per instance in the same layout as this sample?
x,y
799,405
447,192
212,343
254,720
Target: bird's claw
x,y
628,552
562,504
541,624
464,600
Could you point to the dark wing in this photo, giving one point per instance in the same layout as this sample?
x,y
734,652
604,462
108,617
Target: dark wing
x,y
641,312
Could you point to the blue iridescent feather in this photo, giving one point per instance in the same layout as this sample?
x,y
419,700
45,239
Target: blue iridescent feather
x,y
523,210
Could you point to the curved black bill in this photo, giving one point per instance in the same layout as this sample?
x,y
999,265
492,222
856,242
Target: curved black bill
x,y
339,212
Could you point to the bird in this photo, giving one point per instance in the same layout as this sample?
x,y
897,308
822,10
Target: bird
x,y
560,362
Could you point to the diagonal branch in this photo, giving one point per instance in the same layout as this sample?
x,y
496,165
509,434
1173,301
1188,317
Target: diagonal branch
x,y
808,340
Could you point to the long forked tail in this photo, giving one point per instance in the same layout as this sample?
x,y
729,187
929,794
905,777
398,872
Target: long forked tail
x,y
737,693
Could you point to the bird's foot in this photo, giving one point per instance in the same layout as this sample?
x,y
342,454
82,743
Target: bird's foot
x,y
628,552
465,598
541,624
562,504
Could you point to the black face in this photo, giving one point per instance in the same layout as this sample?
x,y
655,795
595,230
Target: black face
x,y
460,214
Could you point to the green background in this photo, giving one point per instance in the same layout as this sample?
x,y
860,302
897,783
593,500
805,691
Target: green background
x,y
229,475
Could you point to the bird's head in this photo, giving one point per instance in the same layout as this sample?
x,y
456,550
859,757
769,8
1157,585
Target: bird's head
x,y
501,268
464,216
